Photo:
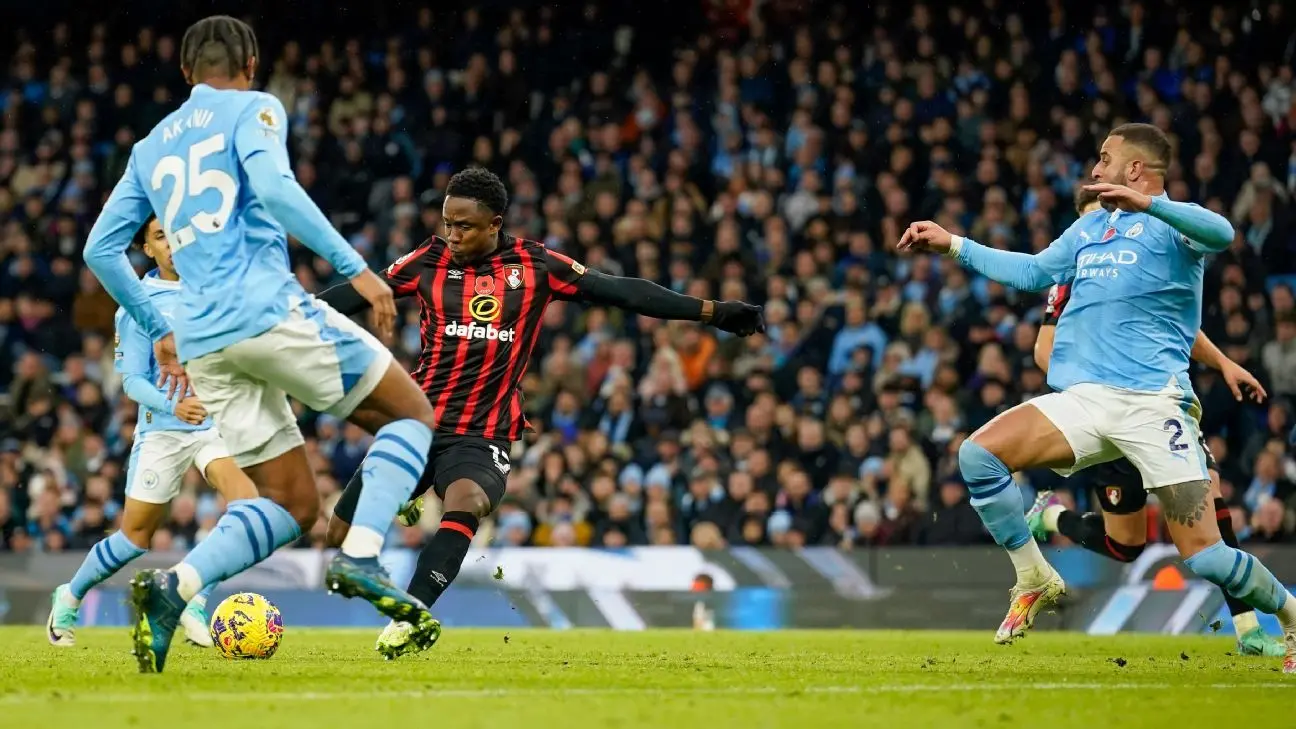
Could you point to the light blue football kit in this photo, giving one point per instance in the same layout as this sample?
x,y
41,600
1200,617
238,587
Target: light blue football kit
x,y
217,174
165,448
134,361
1120,365
1136,288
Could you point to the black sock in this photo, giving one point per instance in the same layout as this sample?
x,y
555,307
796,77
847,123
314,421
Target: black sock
x,y
1088,531
1225,519
439,562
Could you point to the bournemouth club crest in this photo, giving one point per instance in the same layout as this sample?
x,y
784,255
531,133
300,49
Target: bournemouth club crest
x,y
1113,495
513,276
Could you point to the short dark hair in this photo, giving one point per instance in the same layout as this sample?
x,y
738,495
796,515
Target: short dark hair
x,y
218,45
1084,198
482,185
141,235
1150,139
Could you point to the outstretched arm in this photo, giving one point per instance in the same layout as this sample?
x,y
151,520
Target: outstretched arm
x,y
572,281
1018,270
402,275
641,296
1055,264
344,299
105,252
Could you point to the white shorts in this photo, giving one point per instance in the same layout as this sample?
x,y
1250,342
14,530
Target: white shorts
x,y
160,459
317,356
1157,431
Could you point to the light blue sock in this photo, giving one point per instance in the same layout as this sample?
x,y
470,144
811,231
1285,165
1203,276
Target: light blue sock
x,y
997,500
201,598
250,531
389,474
1240,575
106,557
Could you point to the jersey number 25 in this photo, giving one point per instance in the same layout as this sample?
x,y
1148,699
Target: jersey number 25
x,y
191,180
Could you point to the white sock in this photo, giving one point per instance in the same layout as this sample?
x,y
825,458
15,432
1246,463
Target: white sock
x,y
1244,623
70,600
1051,515
362,542
188,583
1287,615
1032,568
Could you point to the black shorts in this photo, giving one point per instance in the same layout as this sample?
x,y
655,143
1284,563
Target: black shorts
x,y
1119,487
453,457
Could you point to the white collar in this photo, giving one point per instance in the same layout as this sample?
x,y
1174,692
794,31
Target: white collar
x,y
158,283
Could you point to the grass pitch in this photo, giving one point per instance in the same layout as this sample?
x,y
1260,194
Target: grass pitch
x,y
677,679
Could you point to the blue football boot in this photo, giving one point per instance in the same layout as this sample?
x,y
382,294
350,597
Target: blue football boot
x,y
156,607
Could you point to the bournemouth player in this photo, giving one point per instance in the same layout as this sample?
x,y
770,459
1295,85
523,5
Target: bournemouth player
x,y
1120,531
216,173
1119,369
483,296
172,434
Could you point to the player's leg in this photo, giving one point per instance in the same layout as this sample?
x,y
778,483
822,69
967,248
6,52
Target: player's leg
x,y
1252,640
153,479
400,417
411,512
1119,532
213,461
471,475
260,432
330,364
1190,519
1162,443
1027,436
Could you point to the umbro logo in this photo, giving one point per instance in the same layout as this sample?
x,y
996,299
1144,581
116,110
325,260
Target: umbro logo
x,y
456,274
438,577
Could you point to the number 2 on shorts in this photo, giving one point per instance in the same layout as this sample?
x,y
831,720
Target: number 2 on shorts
x,y
1176,435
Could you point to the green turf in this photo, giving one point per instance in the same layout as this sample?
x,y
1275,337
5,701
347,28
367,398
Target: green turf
x,y
671,679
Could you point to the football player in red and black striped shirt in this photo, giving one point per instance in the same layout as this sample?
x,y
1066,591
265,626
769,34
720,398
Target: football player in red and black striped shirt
x,y
1120,531
483,296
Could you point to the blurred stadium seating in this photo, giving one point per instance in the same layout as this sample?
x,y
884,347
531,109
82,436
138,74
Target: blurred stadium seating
x,y
770,150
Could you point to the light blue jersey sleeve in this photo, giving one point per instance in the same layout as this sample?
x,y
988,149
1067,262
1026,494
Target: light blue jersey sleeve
x,y
1023,271
260,140
133,360
1202,230
105,252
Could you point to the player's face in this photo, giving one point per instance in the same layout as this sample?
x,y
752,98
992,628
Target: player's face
x,y
155,246
470,229
1111,162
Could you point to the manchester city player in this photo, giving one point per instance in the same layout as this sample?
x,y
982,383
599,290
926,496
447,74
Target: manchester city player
x,y
216,172
172,435
1119,532
1120,371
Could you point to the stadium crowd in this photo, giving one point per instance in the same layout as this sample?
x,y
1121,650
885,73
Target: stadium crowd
x,y
769,151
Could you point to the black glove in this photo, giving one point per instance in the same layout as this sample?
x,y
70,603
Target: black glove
x,y
737,317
